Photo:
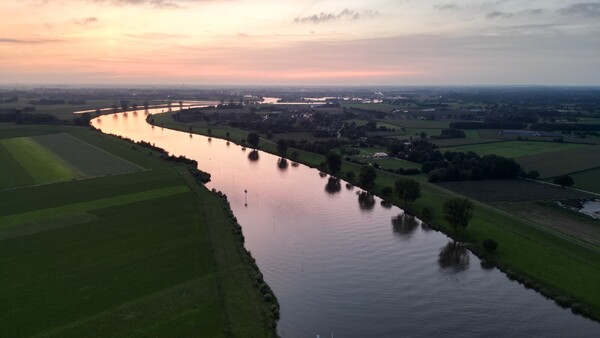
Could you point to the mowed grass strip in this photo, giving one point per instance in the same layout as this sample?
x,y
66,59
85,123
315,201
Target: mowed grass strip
x,y
88,159
12,174
41,164
515,149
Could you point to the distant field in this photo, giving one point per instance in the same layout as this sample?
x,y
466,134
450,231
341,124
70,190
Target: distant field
x,y
453,142
416,123
514,149
90,160
54,157
563,161
588,180
36,162
510,190
396,163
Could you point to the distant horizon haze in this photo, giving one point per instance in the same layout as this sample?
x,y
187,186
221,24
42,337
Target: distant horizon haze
x,y
301,43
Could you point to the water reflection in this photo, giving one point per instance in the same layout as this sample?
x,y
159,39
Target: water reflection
x,y
366,201
404,225
386,204
282,163
253,155
349,186
333,185
454,256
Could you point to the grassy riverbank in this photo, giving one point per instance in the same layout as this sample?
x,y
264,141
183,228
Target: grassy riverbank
x,y
558,265
141,251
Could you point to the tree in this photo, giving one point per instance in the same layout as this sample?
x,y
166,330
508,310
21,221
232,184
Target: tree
x,y
146,105
408,189
564,181
367,176
282,147
124,104
458,211
253,139
334,162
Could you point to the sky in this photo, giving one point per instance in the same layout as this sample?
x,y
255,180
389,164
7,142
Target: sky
x,y
293,42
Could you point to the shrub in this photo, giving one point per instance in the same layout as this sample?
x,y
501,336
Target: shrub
x,y
490,245
426,214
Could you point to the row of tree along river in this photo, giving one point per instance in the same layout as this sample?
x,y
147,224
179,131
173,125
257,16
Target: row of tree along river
x,y
339,262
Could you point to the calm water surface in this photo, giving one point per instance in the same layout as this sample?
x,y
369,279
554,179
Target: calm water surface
x,y
346,265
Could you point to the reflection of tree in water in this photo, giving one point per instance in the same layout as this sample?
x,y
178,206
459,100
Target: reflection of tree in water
x,y
322,174
404,224
282,163
349,186
425,227
366,201
454,256
253,155
295,164
386,204
333,185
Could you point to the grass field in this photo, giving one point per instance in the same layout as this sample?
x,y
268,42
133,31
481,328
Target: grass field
x,y
588,180
453,142
36,162
88,159
514,149
563,162
418,123
396,163
47,158
146,254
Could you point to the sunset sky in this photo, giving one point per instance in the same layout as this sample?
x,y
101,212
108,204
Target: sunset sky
x,y
221,42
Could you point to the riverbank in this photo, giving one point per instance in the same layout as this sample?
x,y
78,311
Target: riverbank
x,y
140,250
556,265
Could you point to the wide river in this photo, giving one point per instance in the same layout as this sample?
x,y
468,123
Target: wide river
x,y
346,267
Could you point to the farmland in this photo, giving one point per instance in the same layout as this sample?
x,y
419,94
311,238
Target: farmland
x,y
55,157
588,180
514,149
552,164
120,255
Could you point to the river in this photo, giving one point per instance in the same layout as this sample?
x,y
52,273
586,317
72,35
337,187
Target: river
x,y
349,267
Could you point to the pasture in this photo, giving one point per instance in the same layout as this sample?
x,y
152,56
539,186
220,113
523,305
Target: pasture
x,y
49,158
144,253
29,161
563,161
514,149
588,180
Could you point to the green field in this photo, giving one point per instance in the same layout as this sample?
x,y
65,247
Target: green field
x,y
90,160
588,180
38,164
146,254
418,123
396,163
454,142
563,162
47,158
514,149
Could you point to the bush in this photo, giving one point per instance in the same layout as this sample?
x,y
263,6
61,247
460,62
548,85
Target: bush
x,y
387,191
426,214
490,245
